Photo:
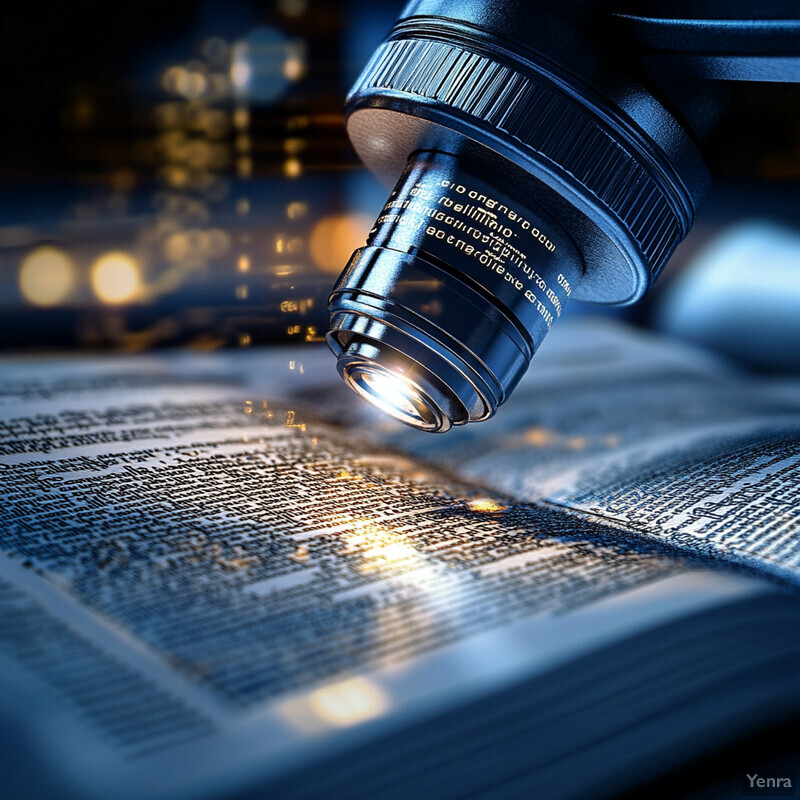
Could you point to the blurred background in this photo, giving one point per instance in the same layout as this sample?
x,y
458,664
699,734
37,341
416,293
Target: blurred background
x,y
177,174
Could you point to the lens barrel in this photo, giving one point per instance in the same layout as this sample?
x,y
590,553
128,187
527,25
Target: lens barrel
x,y
517,184
459,282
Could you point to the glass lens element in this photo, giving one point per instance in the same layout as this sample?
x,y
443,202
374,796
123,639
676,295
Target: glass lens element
x,y
393,394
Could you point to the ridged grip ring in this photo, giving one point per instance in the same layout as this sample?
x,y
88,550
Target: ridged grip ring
x,y
616,168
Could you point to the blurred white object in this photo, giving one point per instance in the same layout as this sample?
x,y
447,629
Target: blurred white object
x,y
740,296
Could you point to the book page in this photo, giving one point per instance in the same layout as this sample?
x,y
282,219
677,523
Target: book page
x,y
201,584
650,435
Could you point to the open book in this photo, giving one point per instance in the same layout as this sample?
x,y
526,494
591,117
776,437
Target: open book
x,y
222,574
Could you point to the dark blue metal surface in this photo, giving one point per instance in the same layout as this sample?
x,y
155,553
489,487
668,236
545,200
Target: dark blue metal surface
x,y
714,39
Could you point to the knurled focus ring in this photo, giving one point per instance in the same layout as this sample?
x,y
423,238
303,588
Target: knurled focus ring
x,y
528,108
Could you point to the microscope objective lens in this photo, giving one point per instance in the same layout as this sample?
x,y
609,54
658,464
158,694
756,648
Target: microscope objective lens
x,y
528,168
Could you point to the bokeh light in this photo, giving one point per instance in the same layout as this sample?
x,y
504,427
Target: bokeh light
x,y
296,210
292,168
47,276
190,81
293,8
294,67
334,238
257,65
116,277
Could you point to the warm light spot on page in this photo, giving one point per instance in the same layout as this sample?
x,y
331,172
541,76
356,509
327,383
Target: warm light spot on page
x,y
348,702
538,437
337,705
379,548
484,505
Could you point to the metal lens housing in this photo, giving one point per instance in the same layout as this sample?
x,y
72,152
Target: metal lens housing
x,y
460,280
528,167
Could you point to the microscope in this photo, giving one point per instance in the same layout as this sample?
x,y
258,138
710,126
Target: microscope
x,y
538,152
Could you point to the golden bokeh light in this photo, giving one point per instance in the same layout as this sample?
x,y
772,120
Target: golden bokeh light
x,y
538,437
116,277
296,209
176,247
241,117
349,701
47,276
294,145
337,705
334,239
189,82
292,168
294,68
244,167
196,245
